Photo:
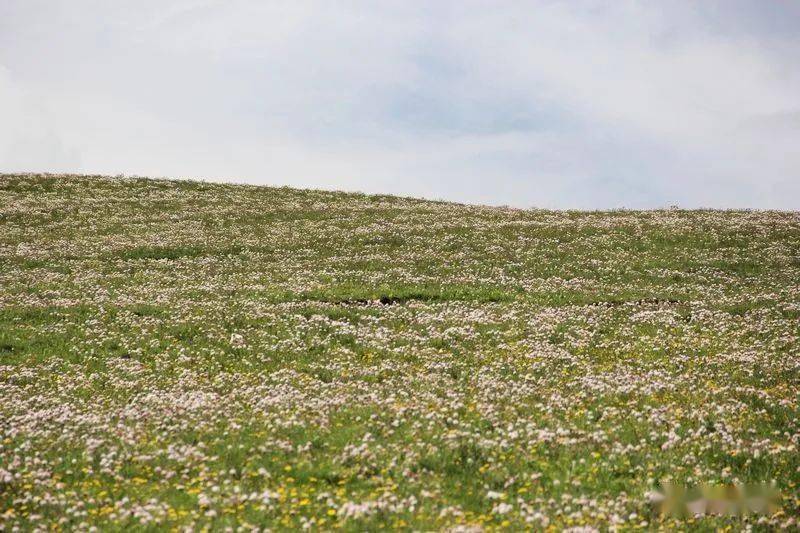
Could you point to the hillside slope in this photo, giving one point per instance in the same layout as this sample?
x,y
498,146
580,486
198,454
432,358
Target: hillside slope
x,y
182,353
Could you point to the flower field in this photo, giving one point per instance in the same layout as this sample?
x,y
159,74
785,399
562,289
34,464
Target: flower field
x,y
180,354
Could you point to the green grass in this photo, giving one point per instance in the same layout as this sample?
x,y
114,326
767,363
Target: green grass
x,y
182,354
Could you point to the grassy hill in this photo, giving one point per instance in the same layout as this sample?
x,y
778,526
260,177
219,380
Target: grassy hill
x,y
179,354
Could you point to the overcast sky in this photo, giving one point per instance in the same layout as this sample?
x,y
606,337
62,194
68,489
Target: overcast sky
x,y
546,104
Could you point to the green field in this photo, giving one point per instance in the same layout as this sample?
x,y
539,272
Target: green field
x,y
184,354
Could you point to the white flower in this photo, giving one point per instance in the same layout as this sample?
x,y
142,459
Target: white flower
x,y
502,508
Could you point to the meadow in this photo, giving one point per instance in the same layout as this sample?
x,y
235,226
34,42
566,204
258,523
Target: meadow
x,y
189,355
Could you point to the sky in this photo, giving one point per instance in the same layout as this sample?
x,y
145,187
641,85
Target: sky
x,y
530,104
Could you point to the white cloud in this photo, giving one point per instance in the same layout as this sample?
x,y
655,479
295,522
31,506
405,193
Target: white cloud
x,y
547,103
